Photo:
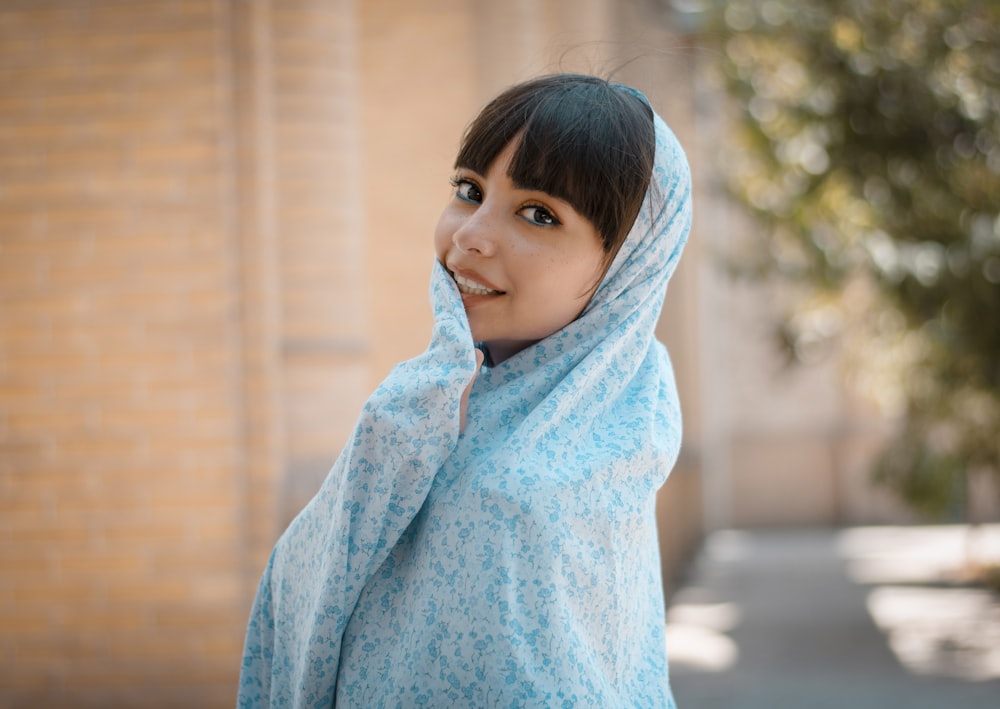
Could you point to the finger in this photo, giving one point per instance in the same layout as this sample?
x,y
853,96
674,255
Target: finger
x,y
464,405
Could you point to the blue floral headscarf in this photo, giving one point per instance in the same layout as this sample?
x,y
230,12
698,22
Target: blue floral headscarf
x,y
514,563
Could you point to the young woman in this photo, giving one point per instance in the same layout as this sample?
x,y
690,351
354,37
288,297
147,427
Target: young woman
x,y
488,535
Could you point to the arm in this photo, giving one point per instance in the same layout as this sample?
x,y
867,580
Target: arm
x,y
406,430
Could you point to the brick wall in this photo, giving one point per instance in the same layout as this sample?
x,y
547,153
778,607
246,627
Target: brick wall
x,y
120,369
122,274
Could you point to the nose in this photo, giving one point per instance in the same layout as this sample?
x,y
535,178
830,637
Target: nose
x,y
477,233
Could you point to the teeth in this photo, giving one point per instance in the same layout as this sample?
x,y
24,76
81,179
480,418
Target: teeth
x,y
472,288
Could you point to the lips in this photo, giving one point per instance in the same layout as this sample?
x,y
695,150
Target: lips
x,y
469,285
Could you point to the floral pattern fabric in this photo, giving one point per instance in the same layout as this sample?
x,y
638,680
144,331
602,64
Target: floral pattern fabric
x,y
514,564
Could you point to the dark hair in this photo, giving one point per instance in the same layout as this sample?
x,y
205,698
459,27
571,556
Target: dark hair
x,y
582,139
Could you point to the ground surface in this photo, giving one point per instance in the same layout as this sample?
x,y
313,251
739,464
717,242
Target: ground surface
x,y
857,618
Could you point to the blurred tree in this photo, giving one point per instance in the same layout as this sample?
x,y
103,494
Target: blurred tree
x,y
868,146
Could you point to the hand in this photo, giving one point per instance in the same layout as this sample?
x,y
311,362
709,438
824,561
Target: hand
x,y
464,405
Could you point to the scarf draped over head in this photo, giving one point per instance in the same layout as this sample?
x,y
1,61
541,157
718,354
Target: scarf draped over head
x,y
514,563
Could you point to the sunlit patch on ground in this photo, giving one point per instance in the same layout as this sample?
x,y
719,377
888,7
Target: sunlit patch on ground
x,y
934,624
698,625
696,635
927,554
940,631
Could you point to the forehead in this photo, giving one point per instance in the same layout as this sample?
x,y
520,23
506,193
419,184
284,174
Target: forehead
x,y
502,166
512,162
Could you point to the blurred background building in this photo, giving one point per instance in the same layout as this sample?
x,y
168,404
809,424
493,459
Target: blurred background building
x,y
215,239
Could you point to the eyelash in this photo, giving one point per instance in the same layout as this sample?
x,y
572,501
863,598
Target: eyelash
x,y
555,221
459,182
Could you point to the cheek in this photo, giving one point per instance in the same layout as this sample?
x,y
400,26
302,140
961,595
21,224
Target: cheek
x,y
574,280
442,235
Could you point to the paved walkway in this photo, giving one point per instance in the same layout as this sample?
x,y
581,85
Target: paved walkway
x,y
858,618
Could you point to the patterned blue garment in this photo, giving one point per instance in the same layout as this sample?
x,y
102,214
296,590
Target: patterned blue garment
x,y
514,564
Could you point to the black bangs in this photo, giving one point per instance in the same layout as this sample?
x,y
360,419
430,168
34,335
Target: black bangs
x,y
580,139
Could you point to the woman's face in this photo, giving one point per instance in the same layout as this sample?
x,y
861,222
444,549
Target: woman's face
x,y
525,262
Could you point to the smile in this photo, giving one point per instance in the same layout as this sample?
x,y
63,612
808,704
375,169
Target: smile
x,y
470,287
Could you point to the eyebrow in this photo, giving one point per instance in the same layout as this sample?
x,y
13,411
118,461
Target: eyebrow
x,y
531,188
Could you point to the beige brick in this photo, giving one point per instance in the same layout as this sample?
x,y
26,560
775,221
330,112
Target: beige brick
x,y
18,222
55,592
307,20
295,78
39,188
43,476
224,645
151,14
55,49
88,215
81,162
101,621
24,509
154,72
13,164
23,620
107,562
34,564
139,531
15,282
32,679
221,532
91,104
40,649
44,21
25,80
148,591
14,108
176,560
196,100
298,53
136,187
319,107
90,501
31,136
143,44
17,52
22,421
27,531
175,155
187,618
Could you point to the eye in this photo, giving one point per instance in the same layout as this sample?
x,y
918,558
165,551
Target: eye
x,y
539,215
467,190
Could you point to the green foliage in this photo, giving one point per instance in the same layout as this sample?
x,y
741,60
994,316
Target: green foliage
x,y
868,146
934,482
